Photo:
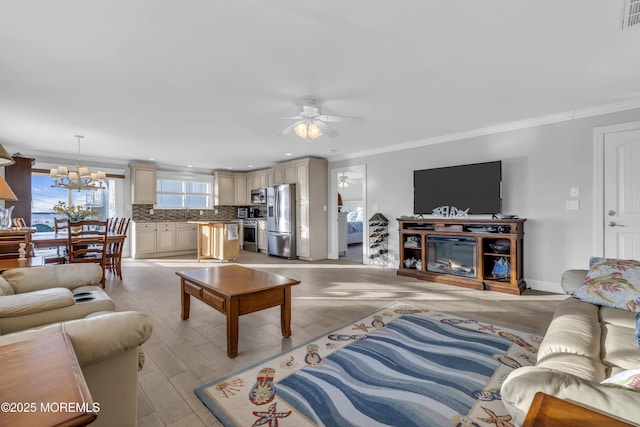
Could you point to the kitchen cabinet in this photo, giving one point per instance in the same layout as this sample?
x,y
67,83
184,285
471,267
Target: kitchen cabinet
x,y
151,239
224,189
312,208
186,236
144,238
218,240
143,183
165,237
242,195
259,179
284,174
262,236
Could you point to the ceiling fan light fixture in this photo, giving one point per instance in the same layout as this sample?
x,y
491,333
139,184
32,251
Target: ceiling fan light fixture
x,y
301,130
307,130
313,131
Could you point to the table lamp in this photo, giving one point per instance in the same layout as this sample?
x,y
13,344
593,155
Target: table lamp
x,y
6,194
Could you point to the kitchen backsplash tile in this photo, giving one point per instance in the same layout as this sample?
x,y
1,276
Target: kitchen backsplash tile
x,y
141,213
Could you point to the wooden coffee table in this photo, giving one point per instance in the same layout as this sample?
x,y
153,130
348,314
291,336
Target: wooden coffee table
x,y
233,291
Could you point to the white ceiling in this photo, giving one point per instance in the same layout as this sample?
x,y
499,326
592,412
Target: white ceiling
x,y
190,82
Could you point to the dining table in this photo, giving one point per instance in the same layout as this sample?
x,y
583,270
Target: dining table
x,y
49,239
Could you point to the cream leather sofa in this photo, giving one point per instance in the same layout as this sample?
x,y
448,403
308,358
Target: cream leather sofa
x,y
584,345
32,297
106,346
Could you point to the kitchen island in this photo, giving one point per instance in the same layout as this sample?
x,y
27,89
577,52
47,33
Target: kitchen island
x,y
218,239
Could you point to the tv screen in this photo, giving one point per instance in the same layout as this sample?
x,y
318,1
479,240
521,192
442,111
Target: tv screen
x,y
477,187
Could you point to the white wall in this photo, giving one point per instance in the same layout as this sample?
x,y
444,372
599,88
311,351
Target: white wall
x,y
539,165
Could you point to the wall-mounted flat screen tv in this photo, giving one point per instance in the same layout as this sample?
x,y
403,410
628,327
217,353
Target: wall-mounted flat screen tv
x,y
477,187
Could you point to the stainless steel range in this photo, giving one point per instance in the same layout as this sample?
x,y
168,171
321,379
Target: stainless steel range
x,y
250,239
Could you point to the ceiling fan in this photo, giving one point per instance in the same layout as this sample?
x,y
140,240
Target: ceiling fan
x,y
310,123
344,181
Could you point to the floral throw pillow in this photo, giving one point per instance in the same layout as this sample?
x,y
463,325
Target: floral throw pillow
x,y
629,380
638,328
612,283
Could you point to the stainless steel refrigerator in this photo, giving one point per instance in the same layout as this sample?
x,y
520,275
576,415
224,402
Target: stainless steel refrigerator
x,y
281,220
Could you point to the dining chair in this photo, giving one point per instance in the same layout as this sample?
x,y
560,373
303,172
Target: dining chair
x,y
114,252
87,242
60,224
60,257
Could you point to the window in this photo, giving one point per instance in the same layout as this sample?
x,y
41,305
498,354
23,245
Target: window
x,y
44,198
179,192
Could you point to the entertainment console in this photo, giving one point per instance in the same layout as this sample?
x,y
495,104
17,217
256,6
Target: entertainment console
x,y
474,253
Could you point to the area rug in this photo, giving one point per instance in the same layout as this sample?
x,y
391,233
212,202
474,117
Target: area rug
x,y
398,366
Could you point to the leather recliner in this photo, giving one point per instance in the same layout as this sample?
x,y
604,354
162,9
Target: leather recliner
x,y
31,297
107,348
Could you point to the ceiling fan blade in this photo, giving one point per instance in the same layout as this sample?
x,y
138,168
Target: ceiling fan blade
x,y
288,129
326,129
281,118
345,119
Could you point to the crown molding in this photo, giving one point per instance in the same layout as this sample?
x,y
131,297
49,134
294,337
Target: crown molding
x,y
505,127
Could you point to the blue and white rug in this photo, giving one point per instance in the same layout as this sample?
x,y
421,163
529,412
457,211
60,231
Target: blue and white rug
x,y
399,366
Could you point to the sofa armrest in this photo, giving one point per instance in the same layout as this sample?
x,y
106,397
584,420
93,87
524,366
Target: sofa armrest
x,y
572,279
97,338
35,302
522,384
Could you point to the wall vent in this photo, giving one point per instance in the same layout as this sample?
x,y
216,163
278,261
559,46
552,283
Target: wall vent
x,y
631,14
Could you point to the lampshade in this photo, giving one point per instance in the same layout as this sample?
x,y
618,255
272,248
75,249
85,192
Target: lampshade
x,y
5,158
5,191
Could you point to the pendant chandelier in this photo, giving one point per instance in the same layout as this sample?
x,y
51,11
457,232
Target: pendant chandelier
x,y
82,179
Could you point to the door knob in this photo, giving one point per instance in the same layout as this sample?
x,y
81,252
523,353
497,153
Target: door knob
x,y
611,213
613,224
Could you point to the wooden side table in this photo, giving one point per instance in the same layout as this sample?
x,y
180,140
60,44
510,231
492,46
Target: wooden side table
x,y
550,411
41,384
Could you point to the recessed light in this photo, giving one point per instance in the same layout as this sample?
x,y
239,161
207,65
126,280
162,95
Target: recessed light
x,y
229,167
250,166
288,154
153,159
189,166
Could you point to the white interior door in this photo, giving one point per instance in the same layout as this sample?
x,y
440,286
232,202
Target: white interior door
x,y
622,194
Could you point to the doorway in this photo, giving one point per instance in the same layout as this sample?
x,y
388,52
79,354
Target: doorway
x,y
347,217
617,187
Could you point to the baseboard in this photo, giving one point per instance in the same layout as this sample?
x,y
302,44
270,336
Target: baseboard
x,y
540,285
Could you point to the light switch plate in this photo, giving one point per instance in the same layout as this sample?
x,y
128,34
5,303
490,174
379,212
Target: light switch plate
x,y
573,205
574,192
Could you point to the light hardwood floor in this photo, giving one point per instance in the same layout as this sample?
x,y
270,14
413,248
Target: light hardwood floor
x,y
182,355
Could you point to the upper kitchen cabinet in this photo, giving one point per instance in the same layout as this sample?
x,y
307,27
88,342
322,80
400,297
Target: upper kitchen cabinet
x,y
242,195
143,183
259,179
284,173
224,193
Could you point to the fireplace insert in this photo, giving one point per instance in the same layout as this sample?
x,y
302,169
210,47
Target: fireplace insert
x,y
452,255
